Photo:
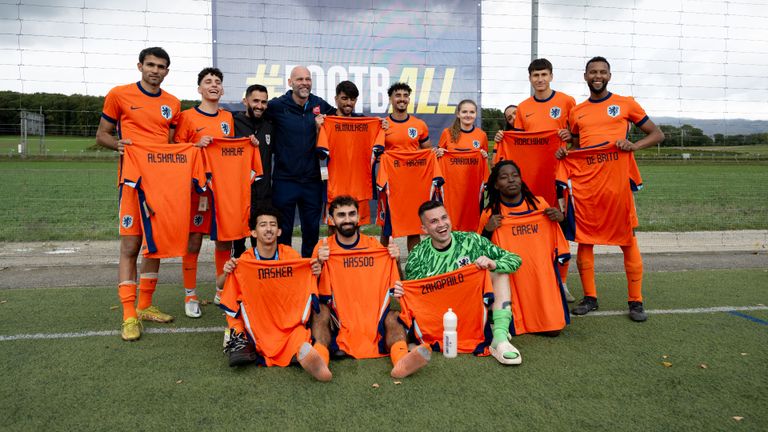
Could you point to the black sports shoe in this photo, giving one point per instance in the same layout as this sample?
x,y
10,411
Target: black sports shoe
x,y
240,349
637,312
585,306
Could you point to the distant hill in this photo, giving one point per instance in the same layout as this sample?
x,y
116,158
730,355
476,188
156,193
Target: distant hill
x,y
722,126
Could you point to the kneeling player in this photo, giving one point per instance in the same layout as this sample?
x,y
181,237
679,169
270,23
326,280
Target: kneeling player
x,y
445,251
268,293
358,273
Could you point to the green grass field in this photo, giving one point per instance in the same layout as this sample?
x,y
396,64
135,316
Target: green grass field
x,y
602,373
77,200
53,145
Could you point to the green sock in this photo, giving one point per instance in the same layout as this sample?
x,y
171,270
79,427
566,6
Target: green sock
x,y
501,320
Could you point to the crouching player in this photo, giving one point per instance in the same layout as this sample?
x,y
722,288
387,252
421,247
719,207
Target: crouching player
x,y
267,295
357,276
445,251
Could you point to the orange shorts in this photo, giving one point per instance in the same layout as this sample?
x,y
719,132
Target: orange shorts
x,y
363,209
200,220
130,216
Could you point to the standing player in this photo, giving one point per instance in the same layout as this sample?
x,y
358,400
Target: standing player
x,y
366,326
446,250
510,113
605,119
463,135
200,125
139,113
403,132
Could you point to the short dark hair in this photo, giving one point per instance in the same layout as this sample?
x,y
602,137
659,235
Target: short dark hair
x,y
154,51
398,86
429,205
597,59
539,64
255,87
209,71
342,200
263,211
348,88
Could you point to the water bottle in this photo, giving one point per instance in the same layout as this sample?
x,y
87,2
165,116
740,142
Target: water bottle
x,y
450,338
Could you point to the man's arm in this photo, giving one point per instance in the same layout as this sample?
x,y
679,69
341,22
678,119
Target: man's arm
x,y
653,136
105,136
506,262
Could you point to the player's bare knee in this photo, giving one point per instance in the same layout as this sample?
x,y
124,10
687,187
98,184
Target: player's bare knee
x,y
395,330
130,246
194,243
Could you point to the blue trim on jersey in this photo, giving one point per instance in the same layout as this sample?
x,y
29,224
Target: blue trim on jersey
x,y
347,247
214,234
326,299
230,312
145,219
642,121
386,230
407,117
522,198
422,141
159,92
634,187
468,131
594,146
517,129
522,213
568,225
108,118
197,108
487,338
544,100
561,288
601,99
261,258
382,329
563,258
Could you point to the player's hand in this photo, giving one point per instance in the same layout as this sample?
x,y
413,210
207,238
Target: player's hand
x,y
394,249
323,252
554,214
484,153
121,145
319,119
499,136
315,266
385,123
565,135
254,140
493,223
625,145
483,263
230,265
439,152
398,290
204,141
560,153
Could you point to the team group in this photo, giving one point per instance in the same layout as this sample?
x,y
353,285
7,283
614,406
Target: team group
x,y
559,170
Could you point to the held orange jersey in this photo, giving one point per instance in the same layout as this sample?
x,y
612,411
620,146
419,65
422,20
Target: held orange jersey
x,y
601,207
465,175
232,165
409,178
466,291
193,124
159,173
356,281
274,299
536,115
534,153
349,143
474,139
406,134
538,300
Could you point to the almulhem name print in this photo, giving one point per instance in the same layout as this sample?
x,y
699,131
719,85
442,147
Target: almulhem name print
x,y
347,127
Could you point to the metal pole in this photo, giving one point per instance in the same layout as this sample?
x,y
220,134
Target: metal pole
x,y
534,32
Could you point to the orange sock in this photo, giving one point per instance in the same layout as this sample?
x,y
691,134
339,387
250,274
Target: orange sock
x,y
235,323
221,257
127,293
633,267
585,261
397,351
147,284
323,351
563,269
189,270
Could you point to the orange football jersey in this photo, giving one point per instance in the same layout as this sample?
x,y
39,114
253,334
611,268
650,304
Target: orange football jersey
x,y
538,300
232,165
534,153
536,115
159,173
274,299
474,139
465,175
409,178
601,207
356,280
406,134
464,290
349,143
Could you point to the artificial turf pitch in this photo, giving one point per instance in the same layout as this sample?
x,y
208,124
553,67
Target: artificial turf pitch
x,y
602,373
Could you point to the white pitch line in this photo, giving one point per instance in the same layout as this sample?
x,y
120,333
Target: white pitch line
x,y
38,336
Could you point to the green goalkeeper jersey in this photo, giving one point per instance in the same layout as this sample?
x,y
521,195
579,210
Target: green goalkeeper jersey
x,y
425,261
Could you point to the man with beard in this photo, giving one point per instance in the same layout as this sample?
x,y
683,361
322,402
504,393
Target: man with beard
x,y
603,121
296,177
364,327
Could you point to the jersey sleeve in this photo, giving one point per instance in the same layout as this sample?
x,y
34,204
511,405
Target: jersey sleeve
x,y
112,110
379,140
323,144
518,123
445,138
506,262
230,297
484,144
130,169
257,169
382,177
230,119
423,132
563,248
176,114
572,123
199,177
484,216
183,132
635,112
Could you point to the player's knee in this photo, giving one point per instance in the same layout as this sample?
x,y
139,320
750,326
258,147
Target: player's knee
x,y
130,246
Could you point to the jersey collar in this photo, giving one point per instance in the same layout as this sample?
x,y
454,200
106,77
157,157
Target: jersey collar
x,y
351,246
601,99
468,131
407,117
197,108
545,100
159,91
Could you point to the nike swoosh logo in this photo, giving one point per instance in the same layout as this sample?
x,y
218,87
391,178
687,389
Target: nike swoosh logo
x,y
528,115
199,129
135,108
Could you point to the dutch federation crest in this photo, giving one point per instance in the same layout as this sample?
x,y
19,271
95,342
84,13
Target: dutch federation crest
x,y
476,144
267,138
463,261
197,220
166,112
555,112
614,110
412,132
225,128
127,221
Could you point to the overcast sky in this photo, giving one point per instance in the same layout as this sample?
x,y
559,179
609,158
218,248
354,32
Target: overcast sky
x,y
681,58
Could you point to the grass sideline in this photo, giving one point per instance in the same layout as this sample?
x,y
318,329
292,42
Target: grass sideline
x,y
604,372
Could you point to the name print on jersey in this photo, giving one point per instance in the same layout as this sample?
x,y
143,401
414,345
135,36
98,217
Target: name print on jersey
x,y
275,273
603,158
166,158
439,284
